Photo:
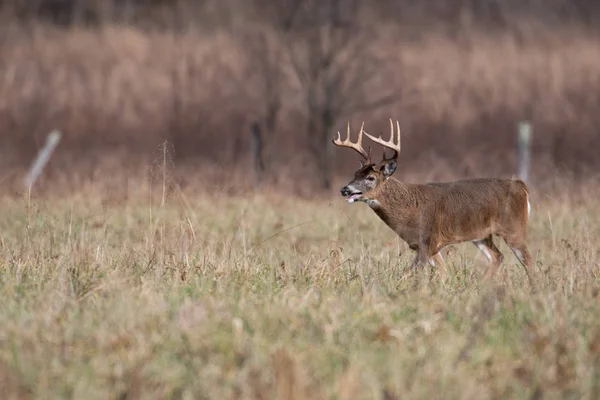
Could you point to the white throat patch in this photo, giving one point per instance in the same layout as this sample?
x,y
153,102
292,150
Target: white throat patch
x,y
374,204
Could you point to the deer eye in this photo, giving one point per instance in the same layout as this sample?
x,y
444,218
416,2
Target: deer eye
x,y
370,178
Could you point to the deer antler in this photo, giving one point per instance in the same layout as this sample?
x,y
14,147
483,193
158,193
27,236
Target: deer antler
x,y
390,144
356,146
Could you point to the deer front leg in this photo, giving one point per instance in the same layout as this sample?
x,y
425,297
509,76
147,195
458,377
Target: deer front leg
x,y
421,258
437,261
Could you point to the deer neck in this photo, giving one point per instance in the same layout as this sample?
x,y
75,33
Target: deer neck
x,y
392,197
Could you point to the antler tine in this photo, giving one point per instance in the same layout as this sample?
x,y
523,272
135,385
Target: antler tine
x,y
390,144
399,144
355,146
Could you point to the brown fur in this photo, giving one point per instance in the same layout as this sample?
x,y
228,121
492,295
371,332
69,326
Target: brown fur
x,y
434,215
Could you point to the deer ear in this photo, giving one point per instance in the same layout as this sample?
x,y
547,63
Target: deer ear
x,y
388,167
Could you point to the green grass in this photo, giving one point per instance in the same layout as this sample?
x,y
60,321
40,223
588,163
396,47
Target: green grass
x,y
268,297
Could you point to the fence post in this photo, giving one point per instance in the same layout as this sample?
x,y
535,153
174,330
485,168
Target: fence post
x,y
257,145
43,156
523,149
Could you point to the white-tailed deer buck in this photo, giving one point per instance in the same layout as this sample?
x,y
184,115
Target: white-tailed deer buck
x,y
434,215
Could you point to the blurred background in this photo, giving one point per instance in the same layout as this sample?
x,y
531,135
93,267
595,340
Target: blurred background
x,y
232,93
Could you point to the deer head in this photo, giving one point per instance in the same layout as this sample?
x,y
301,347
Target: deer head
x,y
370,176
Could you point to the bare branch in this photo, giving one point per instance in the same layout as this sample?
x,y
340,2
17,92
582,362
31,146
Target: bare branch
x,y
370,105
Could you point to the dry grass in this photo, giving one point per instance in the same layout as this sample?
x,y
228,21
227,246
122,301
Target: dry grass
x,y
267,296
118,283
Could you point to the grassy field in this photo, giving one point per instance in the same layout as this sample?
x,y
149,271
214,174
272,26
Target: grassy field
x,y
266,296
114,289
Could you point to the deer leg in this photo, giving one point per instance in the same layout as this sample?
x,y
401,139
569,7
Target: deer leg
x,y
519,248
437,261
421,258
523,255
416,261
494,256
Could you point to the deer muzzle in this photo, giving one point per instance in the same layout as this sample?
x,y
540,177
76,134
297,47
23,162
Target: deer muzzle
x,y
350,193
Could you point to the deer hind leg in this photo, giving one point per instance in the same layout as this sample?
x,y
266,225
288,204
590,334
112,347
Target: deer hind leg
x,y
519,248
522,254
487,247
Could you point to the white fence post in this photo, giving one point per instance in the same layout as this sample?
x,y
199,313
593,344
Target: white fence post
x,y
42,159
523,149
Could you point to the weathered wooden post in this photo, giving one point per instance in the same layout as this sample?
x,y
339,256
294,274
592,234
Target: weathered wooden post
x,y
42,159
257,146
523,149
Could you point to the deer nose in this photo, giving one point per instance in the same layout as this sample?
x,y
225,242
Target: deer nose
x,y
345,191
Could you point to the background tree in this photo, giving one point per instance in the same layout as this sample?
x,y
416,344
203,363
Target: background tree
x,y
266,72
328,48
